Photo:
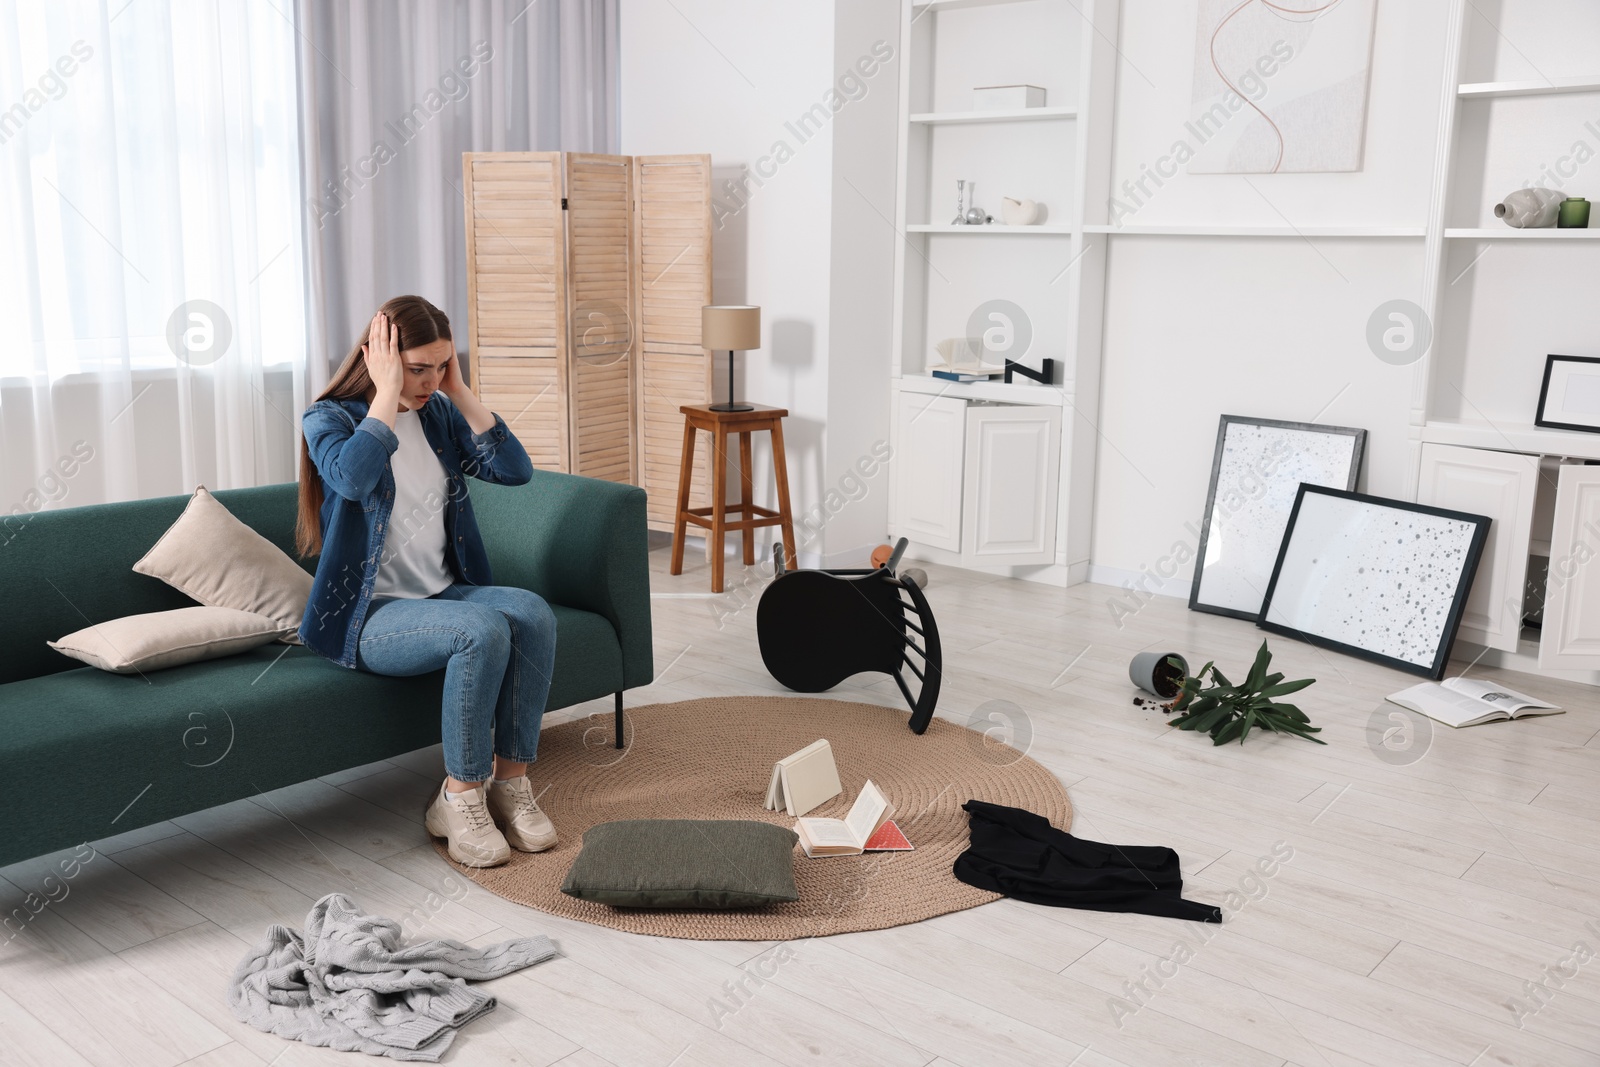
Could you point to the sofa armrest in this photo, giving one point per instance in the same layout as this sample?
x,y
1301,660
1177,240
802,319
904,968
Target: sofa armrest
x,y
579,542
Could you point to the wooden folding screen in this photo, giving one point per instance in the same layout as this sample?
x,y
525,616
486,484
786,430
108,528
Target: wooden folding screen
x,y
585,279
673,220
600,255
516,296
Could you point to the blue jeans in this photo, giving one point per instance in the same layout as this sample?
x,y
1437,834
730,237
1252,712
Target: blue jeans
x,y
497,645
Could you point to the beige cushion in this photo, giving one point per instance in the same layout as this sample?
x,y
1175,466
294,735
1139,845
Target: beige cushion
x,y
219,561
157,639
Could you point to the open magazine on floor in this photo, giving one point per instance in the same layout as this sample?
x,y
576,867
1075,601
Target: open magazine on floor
x,y
1464,702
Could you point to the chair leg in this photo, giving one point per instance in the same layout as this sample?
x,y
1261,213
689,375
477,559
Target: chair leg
x,y
685,475
619,718
780,470
719,502
746,496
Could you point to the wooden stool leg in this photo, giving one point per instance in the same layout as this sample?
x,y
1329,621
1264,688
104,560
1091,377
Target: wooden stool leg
x,y
746,494
780,470
685,473
719,504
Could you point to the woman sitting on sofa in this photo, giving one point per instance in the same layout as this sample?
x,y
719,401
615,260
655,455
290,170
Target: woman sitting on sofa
x,y
403,584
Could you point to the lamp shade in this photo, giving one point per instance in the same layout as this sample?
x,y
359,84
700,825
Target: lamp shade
x,y
730,327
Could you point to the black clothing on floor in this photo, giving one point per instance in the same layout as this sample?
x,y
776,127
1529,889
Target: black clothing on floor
x,y
1018,853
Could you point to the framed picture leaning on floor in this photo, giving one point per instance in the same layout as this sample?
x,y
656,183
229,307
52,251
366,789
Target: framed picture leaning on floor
x,y
1255,472
1385,580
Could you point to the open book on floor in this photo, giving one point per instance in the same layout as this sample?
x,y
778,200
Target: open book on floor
x,y
847,836
1460,702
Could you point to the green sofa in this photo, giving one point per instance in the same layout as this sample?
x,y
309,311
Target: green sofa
x,y
138,750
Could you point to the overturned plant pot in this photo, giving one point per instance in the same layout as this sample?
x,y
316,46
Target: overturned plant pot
x,y
1152,672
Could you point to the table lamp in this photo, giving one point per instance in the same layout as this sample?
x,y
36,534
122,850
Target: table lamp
x,y
730,328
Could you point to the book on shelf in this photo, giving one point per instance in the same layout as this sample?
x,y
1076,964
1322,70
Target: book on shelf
x,y
1460,702
850,835
964,376
804,779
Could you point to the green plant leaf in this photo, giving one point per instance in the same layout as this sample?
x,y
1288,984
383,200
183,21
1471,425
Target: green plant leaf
x,y
1291,712
1285,688
1301,730
1258,669
1227,732
1217,677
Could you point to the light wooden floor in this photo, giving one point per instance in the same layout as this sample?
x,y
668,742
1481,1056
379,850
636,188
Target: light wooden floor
x,y
1419,899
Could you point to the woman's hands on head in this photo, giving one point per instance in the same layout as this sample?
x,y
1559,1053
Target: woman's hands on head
x,y
382,356
452,384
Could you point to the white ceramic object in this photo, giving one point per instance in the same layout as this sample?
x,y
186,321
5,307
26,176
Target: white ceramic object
x,y
1530,208
1018,212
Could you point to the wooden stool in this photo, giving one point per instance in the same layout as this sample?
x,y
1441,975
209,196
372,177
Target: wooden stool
x,y
720,424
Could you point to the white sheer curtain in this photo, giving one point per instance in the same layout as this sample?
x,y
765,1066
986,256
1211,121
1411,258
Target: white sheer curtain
x,y
393,93
151,265
202,202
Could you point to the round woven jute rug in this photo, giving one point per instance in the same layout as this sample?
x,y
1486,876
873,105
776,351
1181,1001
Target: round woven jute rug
x,y
712,759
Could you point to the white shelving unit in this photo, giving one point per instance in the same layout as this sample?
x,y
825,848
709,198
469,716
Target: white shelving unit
x,y
946,275
1506,233
1019,114
990,230
1501,299
1260,231
1480,90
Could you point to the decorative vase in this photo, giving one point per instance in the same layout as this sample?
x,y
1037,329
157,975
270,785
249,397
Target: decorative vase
x,y
1151,672
1018,212
1574,214
976,216
1529,208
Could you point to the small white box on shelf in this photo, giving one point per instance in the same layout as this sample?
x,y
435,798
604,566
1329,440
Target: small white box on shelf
x,y
1003,97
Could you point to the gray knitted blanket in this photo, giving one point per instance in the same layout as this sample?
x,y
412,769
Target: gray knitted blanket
x,y
346,983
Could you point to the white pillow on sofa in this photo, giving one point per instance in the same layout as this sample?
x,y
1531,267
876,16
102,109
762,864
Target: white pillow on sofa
x,y
158,639
221,562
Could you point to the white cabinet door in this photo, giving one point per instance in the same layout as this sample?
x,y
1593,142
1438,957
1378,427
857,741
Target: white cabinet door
x,y
930,432
1012,473
1571,637
1501,485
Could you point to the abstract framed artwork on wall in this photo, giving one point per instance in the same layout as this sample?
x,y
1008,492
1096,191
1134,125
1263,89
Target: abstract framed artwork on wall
x,y
1385,580
1569,396
1279,87
1255,472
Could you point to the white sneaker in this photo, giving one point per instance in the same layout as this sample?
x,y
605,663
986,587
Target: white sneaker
x,y
513,808
465,823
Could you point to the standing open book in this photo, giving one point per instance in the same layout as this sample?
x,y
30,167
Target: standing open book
x,y
1460,702
847,836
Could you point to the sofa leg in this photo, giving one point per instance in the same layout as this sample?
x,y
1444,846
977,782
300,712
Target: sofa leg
x,y
619,718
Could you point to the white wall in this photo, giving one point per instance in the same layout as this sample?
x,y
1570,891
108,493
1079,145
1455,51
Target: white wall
x,y
719,76
1271,327
855,503
1195,327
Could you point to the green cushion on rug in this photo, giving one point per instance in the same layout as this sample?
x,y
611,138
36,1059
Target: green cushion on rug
x,y
684,863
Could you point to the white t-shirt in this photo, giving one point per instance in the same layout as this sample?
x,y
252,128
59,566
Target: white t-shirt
x,y
412,562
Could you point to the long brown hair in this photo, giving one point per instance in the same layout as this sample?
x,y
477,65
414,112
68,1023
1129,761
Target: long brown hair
x,y
420,324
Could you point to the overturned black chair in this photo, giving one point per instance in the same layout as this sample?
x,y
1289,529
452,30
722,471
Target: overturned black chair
x,y
818,627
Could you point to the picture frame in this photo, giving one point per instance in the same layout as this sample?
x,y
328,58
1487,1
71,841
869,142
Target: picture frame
x,y
1256,469
1383,580
1569,395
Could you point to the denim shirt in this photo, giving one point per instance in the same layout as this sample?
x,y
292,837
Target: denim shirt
x,y
351,451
